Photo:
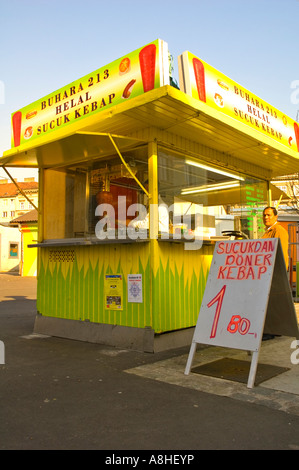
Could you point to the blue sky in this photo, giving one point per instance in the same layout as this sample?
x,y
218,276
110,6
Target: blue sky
x,y
46,44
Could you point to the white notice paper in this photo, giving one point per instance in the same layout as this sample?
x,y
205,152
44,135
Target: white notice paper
x,y
135,288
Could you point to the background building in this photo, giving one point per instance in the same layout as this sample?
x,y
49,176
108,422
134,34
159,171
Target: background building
x,y
13,204
27,225
12,201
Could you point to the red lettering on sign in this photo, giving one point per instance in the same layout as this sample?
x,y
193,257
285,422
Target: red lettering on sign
x,y
267,259
261,271
241,273
239,324
248,260
258,259
221,272
220,249
229,273
233,325
219,299
250,273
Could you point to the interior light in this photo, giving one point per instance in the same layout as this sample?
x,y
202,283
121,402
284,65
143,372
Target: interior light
x,y
209,168
211,187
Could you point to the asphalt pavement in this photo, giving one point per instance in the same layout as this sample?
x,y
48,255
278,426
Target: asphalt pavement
x,y
58,394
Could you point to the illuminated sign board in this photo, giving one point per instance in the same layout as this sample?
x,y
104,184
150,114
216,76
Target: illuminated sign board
x,y
131,75
203,82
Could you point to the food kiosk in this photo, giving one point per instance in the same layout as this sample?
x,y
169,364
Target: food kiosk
x,y
133,176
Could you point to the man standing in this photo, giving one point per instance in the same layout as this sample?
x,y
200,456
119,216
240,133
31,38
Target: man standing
x,y
275,230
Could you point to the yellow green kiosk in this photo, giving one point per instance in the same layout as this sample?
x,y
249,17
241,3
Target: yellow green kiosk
x,y
137,180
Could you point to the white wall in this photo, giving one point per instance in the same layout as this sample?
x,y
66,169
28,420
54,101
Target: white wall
x,y
7,262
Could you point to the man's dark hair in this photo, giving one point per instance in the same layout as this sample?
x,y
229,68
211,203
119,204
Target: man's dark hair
x,y
273,209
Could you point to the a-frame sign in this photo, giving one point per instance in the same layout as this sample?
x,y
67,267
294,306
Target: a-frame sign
x,y
247,294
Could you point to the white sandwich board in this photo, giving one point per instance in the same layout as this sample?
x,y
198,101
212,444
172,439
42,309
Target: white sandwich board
x,y
247,294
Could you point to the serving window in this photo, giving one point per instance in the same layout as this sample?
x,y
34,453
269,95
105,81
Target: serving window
x,y
107,199
80,201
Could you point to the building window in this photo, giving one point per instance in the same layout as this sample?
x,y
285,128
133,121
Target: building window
x,y
12,213
13,250
4,214
22,205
